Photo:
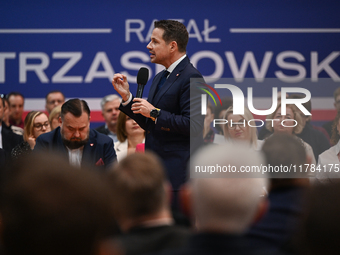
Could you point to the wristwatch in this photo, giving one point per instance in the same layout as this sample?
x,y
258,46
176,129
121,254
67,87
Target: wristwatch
x,y
154,113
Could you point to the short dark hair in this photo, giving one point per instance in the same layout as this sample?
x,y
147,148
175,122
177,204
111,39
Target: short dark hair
x,y
174,31
140,178
54,91
76,107
50,207
14,94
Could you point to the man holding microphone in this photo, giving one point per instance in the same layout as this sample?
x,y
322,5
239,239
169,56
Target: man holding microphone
x,y
170,116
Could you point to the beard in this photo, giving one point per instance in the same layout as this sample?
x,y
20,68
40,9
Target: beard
x,y
74,143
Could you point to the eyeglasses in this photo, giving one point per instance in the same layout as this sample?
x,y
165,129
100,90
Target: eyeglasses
x,y
233,126
39,126
241,124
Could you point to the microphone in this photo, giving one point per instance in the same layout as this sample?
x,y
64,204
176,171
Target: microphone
x,y
142,79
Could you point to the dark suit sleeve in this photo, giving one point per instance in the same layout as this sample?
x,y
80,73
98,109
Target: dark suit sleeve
x,y
189,121
109,154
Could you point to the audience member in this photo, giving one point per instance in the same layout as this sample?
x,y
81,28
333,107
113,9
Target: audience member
x,y
36,123
16,109
238,128
328,162
51,208
224,208
129,134
53,99
75,140
219,112
54,116
5,119
8,139
287,192
208,132
142,205
291,124
110,111
310,134
328,125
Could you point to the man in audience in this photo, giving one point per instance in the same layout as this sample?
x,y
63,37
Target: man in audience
x,y
286,194
328,125
16,109
75,140
110,111
142,205
53,99
51,208
8,139
225,207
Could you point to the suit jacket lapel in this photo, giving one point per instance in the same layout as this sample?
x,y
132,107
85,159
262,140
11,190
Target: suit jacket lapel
x,y
168,83
88,152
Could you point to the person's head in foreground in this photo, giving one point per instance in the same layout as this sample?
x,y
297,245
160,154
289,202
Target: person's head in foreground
x,y
226,202
140,190
51,208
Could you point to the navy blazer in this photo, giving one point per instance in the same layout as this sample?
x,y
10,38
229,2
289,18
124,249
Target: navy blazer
x,y
98,147
180,118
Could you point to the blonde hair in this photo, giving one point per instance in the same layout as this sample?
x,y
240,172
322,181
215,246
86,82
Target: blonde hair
x,y
297,129
247,116
29,123
54,113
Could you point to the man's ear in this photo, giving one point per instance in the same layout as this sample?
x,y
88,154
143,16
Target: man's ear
x,y
173,46
59,120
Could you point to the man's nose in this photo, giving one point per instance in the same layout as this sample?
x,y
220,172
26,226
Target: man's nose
x,y
76,133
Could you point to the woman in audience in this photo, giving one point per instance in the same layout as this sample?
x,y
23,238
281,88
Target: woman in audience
x,y
245,132
129,135
36,123
54,117
289,123
329,160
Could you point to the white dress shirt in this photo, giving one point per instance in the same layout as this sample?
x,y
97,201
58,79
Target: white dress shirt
x,y
329,160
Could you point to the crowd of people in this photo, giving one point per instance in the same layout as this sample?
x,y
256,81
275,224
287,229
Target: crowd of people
x,y
124,187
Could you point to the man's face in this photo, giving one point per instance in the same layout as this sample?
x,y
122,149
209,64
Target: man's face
x,y
53,100
111,112
16,107
75,131
159,49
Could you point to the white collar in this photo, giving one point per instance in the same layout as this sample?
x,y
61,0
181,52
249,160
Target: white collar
x,y
174,64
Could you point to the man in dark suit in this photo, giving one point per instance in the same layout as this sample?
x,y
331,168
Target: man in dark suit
x,y
75,140
8,140
171,115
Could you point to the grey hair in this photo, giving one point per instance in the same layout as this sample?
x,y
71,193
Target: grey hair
x,y
109,98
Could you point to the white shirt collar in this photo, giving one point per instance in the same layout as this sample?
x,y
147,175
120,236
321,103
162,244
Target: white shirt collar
x,y
174,64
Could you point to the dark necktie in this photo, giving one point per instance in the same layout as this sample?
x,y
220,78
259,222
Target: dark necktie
x,y
163,79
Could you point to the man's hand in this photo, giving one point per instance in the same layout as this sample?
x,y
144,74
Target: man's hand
x,y
142,106
121,85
